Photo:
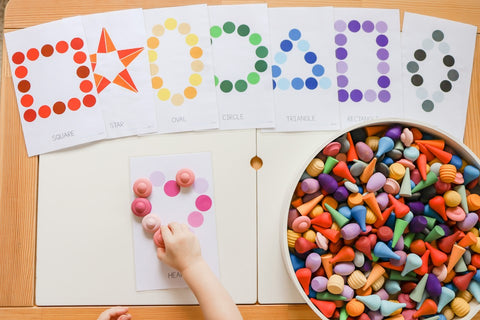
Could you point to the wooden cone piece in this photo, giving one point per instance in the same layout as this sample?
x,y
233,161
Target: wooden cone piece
x,y
351,153
437,203
455,255
303,276
424,150
330,234
462,282
302,245
327,308
368,171
327,265
371,201
428,307
440,144
377,272
438,257
364,245
323,220
373,130
422,165
385,215
345,254
446,243
424,267
400,209
468,240
305,208
341,170
441,155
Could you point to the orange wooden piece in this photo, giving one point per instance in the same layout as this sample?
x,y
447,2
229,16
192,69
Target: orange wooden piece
x,y
327,308
418,247
385,216
341,170
428,307
305,208
344,254
441,155
468,240
440,144
372,203
323,220
368,171
297,202
330,234
422,165
303,276
462,282
400,209
351,153
438,257
437,203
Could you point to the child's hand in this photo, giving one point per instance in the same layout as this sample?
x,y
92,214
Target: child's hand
x,y
117,313
182,248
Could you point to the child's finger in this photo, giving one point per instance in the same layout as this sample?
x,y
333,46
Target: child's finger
x,y
117,311
174,226
161,253
166,233
125,317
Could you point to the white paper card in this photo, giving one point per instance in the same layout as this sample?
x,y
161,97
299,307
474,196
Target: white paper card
x,y
193,206
54,86
181,68
368,64
241,61
116,41
437,69
303,69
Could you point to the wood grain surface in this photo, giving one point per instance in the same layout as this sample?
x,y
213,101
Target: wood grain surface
x,y
18,173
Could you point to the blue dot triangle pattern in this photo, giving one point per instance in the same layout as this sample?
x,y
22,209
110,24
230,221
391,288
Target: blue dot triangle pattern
x,y
316,80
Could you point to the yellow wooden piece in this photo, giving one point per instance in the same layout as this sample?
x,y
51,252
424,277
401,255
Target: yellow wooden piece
x,y
460,307
315,167
370,218
357,279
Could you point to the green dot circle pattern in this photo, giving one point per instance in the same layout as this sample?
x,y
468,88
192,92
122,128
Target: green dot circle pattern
x,y
261,52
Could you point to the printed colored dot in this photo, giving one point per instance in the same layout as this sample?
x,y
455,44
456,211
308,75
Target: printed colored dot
x,y
340,39
340,25
243,30
21,72
158,30
195,219
383,67
200,185
177,99
255,39
421,93
342,67
18,57
310,57
253,78
370,95
183,28
381,27
427,105
157,82
368,26
274,84
241,85
196,52
437,35
318,70
83,72
26,100
342,81
153,42
384,96
356,95
417,80
76,43
280,57
215,78
445,86
341,53
297,83
342,95
163,94
190,92
412,66
215,31
427,44
29,115
171,188
157,178
382,40
261,52
303,45
453,75
197,65
89,100
383,81
294,34
195,79
448,61
382,54
33,54
438,96
283,84
354,26
261,65
311,83
59,107
420,55
61,46
324,83
23,86
444,48
152,55
226,86
228,27
73,104
44,111
203,203
86,86
170,24
191,39
79,57
286,45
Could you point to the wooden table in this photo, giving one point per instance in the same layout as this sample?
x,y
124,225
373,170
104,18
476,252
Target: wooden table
x,y
18,173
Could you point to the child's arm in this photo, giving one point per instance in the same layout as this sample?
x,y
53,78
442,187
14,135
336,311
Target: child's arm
x,y
182,252
117,313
